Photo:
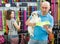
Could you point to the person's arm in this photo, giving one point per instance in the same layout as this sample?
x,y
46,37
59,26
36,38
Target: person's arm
x,y
49,28
29,24
17,25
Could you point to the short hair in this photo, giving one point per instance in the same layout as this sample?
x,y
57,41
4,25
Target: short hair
x,y
46,2
8,17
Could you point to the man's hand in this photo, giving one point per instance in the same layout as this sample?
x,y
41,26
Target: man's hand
x,y
48,29
31,24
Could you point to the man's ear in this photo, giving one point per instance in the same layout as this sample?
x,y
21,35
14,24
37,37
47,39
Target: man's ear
x,y
49,7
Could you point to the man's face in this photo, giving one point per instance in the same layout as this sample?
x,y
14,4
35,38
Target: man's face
x,y
45,7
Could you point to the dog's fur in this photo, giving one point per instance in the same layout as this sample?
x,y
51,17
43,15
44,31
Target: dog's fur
x,y
34,19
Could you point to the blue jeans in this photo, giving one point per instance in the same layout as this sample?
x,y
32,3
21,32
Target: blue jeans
x,y
37,42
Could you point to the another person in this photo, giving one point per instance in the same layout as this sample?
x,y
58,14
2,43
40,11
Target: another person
x,y
41,33
13,26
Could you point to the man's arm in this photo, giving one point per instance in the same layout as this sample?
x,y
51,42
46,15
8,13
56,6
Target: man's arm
x,y
29,24
48,29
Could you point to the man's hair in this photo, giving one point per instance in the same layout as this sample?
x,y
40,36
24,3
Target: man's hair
x,y
46,2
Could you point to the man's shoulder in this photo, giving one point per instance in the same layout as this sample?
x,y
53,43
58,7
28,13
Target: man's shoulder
x,y
50,16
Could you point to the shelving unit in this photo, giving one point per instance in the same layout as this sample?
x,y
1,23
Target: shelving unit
x,y
22,10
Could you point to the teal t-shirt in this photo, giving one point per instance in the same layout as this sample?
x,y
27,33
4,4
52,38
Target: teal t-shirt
x,y
40,33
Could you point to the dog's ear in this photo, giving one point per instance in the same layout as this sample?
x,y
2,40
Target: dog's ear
x,y
38,15
32,14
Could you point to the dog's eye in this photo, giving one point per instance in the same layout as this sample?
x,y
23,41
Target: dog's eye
x,y
38,15
32,14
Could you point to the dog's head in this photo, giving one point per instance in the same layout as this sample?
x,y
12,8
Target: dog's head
x,y
34,14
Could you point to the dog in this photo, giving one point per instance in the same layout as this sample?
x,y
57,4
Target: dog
x,y
35,18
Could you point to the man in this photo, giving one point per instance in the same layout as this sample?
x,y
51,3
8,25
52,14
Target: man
x,y
41,33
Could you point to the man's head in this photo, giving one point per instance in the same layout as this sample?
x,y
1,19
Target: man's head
x,y
45,6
